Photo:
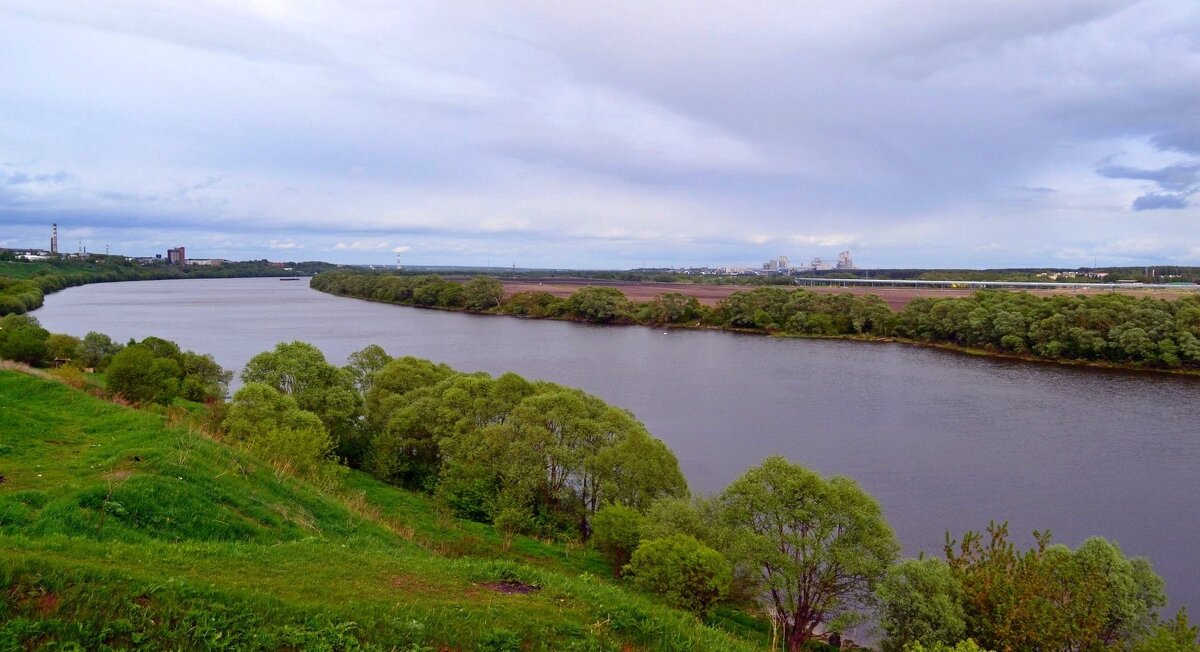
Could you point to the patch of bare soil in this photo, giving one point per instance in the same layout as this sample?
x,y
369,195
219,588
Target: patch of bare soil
x,y
511,587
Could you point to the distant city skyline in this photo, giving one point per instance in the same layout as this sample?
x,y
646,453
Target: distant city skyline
x,y
614,135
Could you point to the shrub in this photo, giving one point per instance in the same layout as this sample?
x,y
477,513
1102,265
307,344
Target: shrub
x,y
689,574
616,532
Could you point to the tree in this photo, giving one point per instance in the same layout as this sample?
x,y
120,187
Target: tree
x,y
95,350
483,293
689,574
598,304
364,363
299,369
616,532
920,602
62,347
673,308
818,546
271,423
959,646
1175,635
1050,598
203,378
138,375
23,339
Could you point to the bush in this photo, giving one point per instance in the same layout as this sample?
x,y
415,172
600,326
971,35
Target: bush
x,y
689,574
616,532
137,375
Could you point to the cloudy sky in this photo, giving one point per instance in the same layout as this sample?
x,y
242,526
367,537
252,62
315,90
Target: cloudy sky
x,y
606,134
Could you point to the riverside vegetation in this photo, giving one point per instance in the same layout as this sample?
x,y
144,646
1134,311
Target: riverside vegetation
x,y
394,503
24,285
1104,329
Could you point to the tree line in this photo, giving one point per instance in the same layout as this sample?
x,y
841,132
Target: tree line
x,y
813,554
1110,328
23,286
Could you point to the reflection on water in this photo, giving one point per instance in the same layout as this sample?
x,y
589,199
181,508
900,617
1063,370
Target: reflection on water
x,y
945,442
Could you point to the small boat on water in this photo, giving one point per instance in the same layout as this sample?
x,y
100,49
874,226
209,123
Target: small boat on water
x,y
289,278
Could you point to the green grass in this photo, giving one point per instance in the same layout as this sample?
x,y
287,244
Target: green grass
x,y
21,270
119,531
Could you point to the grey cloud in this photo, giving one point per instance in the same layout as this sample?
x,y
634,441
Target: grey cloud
x,y
1152,201
1183,177
1178,183
1182,140
22,178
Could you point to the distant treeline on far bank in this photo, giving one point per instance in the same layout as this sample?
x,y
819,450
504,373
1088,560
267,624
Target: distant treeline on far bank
x,y
24,285
1107,329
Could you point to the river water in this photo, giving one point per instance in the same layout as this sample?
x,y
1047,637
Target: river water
x,y
944,441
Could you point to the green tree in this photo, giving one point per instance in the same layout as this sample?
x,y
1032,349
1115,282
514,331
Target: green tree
x,y
598,304
203,378
689,574
483,293
95,350
1050,598
272,424
616,532
1175,635
819,546
300,370
364,363
138,375
959,646
62,347
23,339
920,602
673,308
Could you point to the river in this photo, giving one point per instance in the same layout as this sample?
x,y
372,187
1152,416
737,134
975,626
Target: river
x,y
944,441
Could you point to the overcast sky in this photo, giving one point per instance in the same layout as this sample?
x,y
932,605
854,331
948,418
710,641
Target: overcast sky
x,y
606,134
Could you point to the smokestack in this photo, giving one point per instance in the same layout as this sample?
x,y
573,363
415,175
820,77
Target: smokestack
x,y
54,239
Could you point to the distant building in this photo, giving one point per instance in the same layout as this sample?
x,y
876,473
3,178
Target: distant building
x,y
54,239
207,262
818,265
844,261
777,266
177,256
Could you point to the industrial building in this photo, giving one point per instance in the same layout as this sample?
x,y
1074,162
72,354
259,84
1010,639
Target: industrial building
x,y
177,256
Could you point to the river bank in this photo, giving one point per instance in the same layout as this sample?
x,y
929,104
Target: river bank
x,y
1012,326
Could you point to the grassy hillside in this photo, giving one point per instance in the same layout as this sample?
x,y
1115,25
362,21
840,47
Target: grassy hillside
x,y
119,530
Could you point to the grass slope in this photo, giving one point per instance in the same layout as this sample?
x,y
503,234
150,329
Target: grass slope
x,y
118,531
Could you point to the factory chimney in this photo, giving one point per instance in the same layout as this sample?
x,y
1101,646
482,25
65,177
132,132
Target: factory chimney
x,y
54,239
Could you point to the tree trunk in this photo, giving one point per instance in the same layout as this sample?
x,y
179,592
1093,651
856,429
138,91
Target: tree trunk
x,y
796,638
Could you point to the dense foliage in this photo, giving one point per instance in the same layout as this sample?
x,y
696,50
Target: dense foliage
x,y
151,371
530,457
689,574
1115,329
1046,598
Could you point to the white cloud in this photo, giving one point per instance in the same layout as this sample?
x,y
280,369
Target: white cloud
x,y
361,246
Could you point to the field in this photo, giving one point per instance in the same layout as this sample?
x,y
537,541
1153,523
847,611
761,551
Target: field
x,y
709,295
121,528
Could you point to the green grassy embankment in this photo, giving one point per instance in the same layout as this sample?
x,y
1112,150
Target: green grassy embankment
x,y
118,530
